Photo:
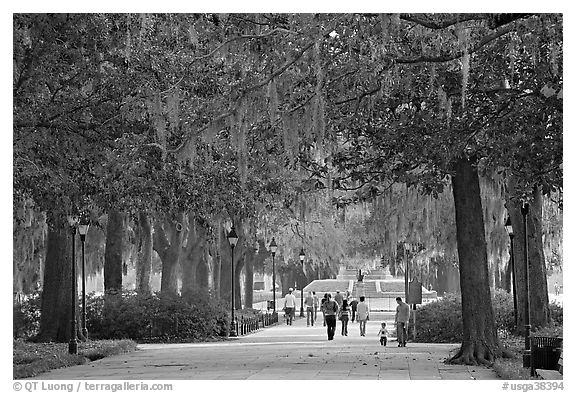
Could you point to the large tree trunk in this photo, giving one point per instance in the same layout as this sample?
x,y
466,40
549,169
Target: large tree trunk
x,y
480,341
216,269
225,271
56,308
253,259
539,310
506,281
189,267
144,261
204,271
113,253
287,279
168,238
192,254
249,283
226,265
238,266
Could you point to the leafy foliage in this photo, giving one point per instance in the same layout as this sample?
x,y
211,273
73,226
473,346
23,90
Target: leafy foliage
x,y
441,321
157,317
26,316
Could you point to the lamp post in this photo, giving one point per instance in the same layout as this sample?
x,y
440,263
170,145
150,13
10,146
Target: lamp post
x,y
527,353
232,239
302,256
406,247
73,344
83,230
510,231
273,248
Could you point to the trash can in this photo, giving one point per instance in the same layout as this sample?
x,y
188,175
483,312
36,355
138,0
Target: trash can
x,y
545,352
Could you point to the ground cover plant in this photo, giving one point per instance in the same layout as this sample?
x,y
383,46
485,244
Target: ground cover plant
x,y
30,359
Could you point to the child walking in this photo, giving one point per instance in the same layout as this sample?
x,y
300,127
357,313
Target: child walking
x,y
382,334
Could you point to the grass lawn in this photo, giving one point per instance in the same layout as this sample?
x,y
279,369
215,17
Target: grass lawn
x,y
30,359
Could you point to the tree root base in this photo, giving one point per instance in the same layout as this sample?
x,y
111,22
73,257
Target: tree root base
x,y
474,355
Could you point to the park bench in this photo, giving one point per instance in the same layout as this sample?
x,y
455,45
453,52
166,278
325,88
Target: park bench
x,y
551,374
546,357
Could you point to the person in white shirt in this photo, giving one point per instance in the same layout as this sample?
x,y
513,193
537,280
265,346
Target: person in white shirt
x,y
289,306
362,315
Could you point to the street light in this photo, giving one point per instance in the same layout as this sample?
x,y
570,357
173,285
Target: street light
x,y
302,256
406,248
83,230
527,326
510,230
73,344
273,248
232,239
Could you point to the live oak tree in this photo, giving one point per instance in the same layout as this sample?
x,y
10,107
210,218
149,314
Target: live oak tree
x,y
416,115
62,101
242,100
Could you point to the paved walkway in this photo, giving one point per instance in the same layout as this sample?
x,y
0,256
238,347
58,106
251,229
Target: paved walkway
x,y
281,352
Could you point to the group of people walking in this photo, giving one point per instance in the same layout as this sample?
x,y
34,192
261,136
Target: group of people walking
x,y
344,309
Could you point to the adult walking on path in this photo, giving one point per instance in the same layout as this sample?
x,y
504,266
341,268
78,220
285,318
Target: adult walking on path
x,y
353,305
330,312
309,303
401,320
344,316
322,308
289,306
316,303
338,298
363,315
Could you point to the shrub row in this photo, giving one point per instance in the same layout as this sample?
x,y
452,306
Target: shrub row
x,y
157,317
441,321
195,316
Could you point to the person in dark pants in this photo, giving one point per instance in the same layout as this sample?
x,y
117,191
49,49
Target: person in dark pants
x,y
401,320
330,312
316,302
322,308
344,317
353,305
309,303
338,298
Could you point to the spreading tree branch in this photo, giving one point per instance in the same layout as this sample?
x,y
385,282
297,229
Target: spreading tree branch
x,y
438,25
453,56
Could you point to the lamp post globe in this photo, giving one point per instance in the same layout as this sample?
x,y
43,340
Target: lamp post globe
x,y
73,343
233,240
302,256
273,249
